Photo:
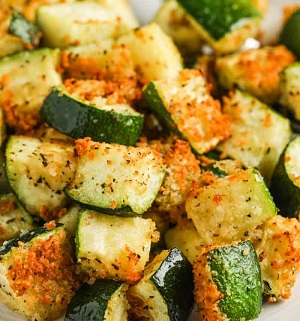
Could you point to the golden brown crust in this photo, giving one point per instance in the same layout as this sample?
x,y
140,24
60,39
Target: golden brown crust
x,y
207,296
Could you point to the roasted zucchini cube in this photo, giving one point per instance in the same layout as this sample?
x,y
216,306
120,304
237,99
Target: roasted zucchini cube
x,y
230,208
166,290
37,273
113,247
278,250
258,133
228,282
184,105
116,179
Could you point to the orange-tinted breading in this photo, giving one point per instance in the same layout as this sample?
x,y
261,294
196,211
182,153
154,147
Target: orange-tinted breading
x,y
42,274
278,249
207,296
255,71
115,93
183,174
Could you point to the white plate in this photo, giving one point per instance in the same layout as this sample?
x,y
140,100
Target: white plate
x,y
288,310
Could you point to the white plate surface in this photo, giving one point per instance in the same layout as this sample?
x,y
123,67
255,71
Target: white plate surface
x,y
288,310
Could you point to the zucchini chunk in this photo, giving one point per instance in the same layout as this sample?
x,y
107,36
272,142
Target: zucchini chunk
x,y
166,291
255,71
278,249
172,18
75,114
113,247
184,105
17,33
13,218
153,52
230,208
94,61
224,25
228,282
26,79
182,174
38,172
104,300
68,24
254,136
290,33
24,29
186,238
116,179
285,183
35,270
289,93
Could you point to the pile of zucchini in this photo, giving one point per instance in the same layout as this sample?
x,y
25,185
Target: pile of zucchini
x,y
146,171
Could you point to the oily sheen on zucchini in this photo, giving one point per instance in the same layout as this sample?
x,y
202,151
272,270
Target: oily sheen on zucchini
x,y
228,282
79,118
104,300
166,291
285,183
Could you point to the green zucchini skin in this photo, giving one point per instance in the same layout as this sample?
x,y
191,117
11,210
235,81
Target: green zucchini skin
x,y
166,290
220,15
285,188
290,32
24,29
26,237
78,120
176,290
244,277
90,302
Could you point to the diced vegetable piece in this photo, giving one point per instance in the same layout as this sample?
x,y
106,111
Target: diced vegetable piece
x,y
285,183
98,61
26,79
38,171
116,179
113,247
35,270
184,105
184,237
255,71
289,89
261,5
290,33
182,174
25,30
278,250
228,282
78,23
104,300
172,18
259,134
231,207
17,33
13,218
153,52
76,114
224,25
166,290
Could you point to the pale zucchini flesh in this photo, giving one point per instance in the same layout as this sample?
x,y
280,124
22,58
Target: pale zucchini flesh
x,y
116,179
